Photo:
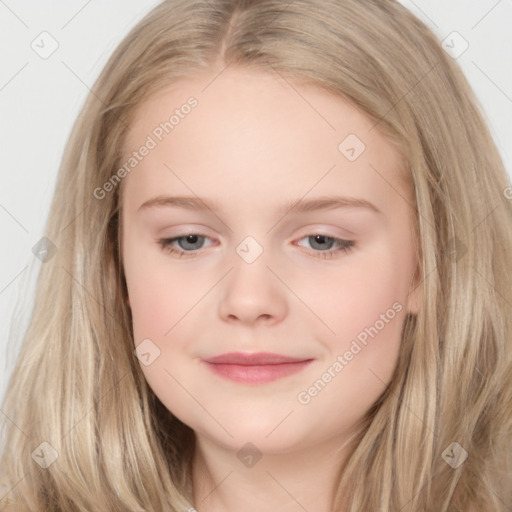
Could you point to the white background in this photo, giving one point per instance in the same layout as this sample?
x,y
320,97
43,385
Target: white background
x,y
40,99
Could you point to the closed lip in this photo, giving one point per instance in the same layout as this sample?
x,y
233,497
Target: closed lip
x,y
255,359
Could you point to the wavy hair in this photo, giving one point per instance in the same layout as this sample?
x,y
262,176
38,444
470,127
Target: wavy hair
x,y
77,385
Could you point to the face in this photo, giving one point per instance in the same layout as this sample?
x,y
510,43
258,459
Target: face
x,y
218,262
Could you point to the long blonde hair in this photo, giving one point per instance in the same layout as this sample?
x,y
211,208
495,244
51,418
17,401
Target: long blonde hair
x,y
77,385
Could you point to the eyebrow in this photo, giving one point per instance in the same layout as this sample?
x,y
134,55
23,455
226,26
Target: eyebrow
x,y
297,205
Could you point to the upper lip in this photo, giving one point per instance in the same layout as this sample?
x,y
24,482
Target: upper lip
x,y
259,358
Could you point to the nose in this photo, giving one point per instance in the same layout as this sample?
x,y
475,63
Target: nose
x,y
251,294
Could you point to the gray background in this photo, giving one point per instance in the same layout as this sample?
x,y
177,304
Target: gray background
x,y
40,98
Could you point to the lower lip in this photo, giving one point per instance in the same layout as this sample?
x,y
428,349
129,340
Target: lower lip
x,y
257,374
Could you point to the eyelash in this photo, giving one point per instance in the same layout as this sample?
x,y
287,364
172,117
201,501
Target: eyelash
x,y
344,246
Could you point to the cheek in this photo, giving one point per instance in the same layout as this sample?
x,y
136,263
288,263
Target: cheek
x,y
365,306
159,297
160,300
364,303
362,293
151,301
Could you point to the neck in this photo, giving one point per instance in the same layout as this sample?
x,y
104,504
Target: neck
x,y
304,479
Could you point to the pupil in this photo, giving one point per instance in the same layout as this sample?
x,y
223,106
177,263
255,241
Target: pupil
x,y
322,242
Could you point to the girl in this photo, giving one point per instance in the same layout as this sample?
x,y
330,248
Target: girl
x,y
277,276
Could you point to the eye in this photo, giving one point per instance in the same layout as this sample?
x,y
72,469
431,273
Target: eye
x,y
188,244
322,245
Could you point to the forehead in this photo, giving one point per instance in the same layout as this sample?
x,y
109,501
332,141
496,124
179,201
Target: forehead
x,y
248,129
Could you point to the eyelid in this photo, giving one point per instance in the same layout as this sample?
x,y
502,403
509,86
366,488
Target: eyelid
x,y
331,231
309,231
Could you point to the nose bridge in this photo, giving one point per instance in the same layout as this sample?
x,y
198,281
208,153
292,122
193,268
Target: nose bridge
x,y
251,275
251,290
250,249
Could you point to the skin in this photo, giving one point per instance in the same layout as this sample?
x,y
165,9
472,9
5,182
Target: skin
x,y
252,144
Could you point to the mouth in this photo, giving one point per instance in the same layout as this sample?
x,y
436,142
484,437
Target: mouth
x,y
257,368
